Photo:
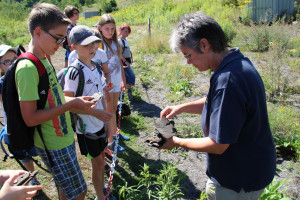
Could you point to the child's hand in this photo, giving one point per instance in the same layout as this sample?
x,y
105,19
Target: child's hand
x,y
108,88
123,86
84,103
103,115
11,192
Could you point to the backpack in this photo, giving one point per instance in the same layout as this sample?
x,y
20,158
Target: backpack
x,y
20,136
65,43
123,49
79,91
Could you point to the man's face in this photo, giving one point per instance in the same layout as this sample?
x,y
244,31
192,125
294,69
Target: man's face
x,y
49,39
195,58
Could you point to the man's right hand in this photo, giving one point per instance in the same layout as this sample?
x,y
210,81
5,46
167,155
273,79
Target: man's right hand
x,y
170,111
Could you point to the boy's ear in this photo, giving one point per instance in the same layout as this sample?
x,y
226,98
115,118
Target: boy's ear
x,y
73,46
37,32
99,27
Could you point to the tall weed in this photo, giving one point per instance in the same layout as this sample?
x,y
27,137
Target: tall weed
x,y
275,73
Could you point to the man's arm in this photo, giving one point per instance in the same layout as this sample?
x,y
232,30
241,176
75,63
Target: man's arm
x,y
194,107
197,144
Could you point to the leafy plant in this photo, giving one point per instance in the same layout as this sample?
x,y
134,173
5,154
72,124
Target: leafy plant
x,y
273,191
164,185
182,86
284,123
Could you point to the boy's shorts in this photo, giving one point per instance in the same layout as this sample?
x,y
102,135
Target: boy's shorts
x,y
89,147
66,171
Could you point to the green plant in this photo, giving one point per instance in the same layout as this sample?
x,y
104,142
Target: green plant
x,y
273,191
284,123
182,86
163,185
190,129
203,196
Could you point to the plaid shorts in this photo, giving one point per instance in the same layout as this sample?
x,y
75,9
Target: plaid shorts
x,y
66,171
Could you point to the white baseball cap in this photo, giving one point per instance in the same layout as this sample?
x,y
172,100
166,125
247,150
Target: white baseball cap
x,y
4,48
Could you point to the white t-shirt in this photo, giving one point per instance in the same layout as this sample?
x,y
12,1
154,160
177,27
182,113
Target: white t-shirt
x,y
93,83
99,55
114,65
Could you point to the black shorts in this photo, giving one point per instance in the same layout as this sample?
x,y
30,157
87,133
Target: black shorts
x,y
91,148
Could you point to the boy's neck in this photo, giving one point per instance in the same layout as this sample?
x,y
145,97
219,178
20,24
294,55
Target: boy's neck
x,y
73,23
86,62
38,52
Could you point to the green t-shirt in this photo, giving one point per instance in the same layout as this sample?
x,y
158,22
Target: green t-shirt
x,y
58,132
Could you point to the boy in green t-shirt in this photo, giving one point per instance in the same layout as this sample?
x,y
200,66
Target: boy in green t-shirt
x,y
48,26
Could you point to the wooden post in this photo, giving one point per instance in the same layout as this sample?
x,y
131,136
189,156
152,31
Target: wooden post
x,y
149,27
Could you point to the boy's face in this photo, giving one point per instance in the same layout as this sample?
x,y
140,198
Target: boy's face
x,y
75,16
7,60
86,52
49,41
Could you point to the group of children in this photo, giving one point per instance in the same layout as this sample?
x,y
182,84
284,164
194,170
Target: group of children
x,y
104,75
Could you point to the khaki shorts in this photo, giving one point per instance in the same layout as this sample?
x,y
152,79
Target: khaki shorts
x,y
217,192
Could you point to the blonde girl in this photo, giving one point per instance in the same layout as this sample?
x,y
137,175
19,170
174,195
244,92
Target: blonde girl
x,y
107,28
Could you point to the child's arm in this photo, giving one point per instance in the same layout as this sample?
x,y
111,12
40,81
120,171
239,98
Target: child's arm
x,y
107,95
100,114
106,73
32,116
123,76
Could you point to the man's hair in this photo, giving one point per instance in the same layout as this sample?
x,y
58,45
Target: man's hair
x,y
194,27
47,16
69,10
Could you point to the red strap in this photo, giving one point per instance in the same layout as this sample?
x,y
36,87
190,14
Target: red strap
x,y
39,65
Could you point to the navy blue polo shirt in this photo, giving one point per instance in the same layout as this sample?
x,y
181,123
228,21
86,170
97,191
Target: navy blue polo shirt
x,y
235,113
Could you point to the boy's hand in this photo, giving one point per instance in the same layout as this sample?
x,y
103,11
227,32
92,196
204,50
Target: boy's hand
x,y
103,115
84,103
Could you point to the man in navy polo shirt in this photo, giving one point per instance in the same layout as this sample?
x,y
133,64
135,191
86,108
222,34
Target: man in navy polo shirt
x,y
241,157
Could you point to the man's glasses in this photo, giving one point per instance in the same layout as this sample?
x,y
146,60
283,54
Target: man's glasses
x,y
9,62
75,13
57,40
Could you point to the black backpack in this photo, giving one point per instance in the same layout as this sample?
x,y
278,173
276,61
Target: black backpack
x,y
19,134
79,91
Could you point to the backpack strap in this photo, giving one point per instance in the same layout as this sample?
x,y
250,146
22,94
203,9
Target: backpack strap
x,y
123,49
